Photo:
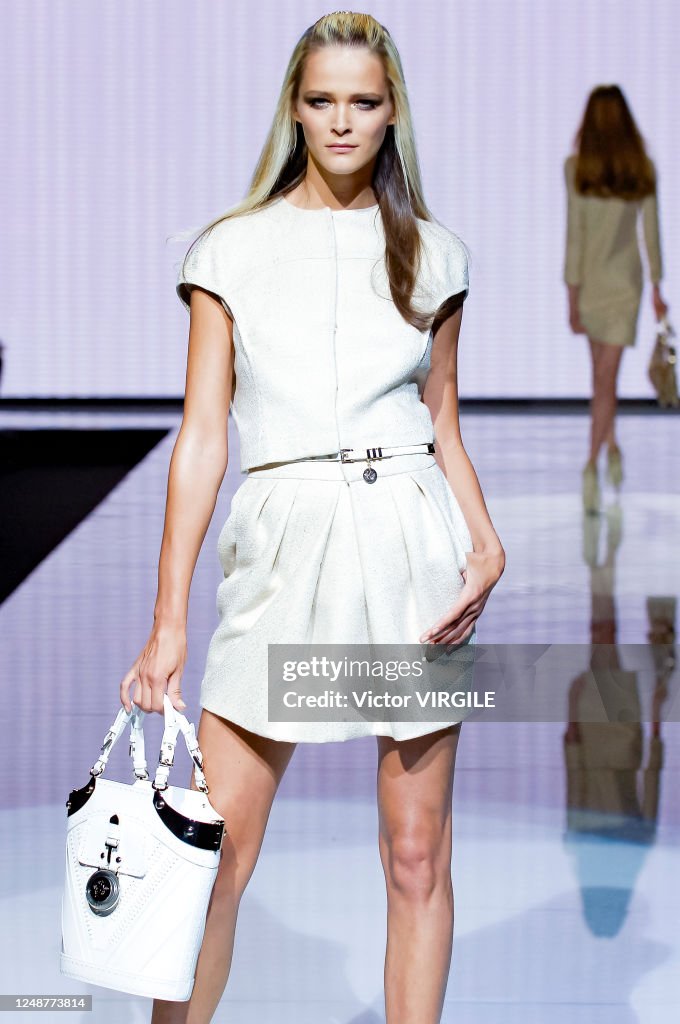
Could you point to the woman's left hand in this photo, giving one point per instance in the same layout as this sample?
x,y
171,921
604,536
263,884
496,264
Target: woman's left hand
x,y
483,571
660,307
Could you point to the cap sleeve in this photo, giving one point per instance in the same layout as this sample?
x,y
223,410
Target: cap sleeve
x,y
455,268
205,266
448,274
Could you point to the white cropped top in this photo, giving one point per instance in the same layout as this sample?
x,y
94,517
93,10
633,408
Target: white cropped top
x,y
323,359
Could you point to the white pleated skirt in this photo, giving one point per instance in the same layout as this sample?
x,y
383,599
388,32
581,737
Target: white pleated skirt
x,y
312,553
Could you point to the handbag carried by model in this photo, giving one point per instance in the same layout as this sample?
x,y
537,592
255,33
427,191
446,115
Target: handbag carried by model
x,y
662,367
141,862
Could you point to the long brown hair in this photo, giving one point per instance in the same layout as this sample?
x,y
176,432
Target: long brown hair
x,y
396,179
611,157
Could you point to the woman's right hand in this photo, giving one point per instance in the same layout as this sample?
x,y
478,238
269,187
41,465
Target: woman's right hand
x,y
575,322
157,670
574,315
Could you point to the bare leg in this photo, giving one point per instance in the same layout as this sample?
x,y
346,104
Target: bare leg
x,y
243,771
606,360
415,787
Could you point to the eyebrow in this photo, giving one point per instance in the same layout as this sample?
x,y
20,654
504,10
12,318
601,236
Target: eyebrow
x,y
354,96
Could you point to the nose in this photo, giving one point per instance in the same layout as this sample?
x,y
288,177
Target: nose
x,y
341,121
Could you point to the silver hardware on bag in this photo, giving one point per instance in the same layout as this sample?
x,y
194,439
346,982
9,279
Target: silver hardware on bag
x,y
102,889
165,760
102,892
174,722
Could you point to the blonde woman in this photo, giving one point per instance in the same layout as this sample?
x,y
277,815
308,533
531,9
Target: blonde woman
x,y
611,183
327,308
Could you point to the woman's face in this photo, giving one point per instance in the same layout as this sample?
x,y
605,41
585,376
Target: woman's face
x,y
343,99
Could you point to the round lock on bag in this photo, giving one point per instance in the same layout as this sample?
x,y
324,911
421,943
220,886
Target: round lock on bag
x,y
102,891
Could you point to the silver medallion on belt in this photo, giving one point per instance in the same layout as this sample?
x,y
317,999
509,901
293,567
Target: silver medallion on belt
x,y
369,474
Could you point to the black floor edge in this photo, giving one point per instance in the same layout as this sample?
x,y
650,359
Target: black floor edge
x,y
500,404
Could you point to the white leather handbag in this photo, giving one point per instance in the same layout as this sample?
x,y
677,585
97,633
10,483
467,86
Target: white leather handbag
x,y
141,861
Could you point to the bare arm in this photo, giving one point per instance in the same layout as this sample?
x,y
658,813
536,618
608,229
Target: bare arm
x,y
200,456
197,467
440,394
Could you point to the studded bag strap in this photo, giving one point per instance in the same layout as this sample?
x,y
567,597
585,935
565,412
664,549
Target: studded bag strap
x,y
113,735
174,722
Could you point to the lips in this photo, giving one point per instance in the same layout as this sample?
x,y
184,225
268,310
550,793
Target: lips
x,y
340,146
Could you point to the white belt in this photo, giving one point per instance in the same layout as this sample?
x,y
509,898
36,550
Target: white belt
x,y
371,455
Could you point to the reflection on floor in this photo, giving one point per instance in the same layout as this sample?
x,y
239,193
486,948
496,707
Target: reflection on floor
x,y
566,854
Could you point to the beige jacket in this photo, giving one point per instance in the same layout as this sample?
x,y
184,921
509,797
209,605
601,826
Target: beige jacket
x,y
602,257
602,235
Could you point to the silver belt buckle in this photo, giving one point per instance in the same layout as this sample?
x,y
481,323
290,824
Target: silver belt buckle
x,y
371,455
369,474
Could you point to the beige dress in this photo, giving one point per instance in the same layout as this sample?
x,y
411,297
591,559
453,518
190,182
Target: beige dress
x,y
603,257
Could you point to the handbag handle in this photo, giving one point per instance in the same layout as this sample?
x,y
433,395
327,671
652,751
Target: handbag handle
x,y
174,721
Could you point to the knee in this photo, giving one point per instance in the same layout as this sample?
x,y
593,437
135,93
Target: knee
x,y
417,862
605,376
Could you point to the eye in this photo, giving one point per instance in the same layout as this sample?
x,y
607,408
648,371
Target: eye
x,y
365,104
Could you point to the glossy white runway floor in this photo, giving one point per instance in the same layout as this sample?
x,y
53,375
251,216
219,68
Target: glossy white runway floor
x,y
537,937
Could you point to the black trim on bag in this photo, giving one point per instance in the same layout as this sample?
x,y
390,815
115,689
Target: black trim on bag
x,y
77,798
207,835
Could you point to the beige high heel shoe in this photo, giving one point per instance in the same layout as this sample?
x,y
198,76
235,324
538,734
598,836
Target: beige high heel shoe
x,y
590,487
615,465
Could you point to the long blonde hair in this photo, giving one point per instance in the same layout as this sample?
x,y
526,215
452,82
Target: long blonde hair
x,y
611,157
396,180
